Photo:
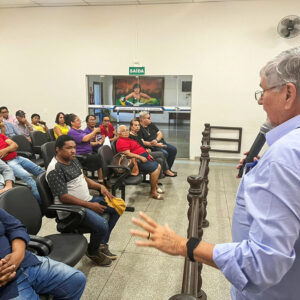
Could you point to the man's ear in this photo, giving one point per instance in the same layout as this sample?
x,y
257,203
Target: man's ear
x,y
291,95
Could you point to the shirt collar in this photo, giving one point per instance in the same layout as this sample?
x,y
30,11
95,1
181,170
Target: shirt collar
x,y
279,131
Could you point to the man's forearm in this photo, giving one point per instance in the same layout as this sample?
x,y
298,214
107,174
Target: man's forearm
x,y
69,199
159,136
18,248
92,184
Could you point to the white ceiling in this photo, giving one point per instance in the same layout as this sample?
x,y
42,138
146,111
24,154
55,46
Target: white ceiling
x,y
39,3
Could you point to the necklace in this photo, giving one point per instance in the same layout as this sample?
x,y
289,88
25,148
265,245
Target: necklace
x,y
147,129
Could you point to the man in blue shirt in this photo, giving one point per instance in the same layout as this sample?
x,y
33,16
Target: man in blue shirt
x,y
263,261
23,275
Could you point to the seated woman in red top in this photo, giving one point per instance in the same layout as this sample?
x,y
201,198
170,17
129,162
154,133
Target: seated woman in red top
x,y
107,129
146,164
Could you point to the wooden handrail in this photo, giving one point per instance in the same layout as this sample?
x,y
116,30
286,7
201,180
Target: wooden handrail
x,y
197,198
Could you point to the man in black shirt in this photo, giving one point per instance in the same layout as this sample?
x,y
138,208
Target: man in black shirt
x,y
153,137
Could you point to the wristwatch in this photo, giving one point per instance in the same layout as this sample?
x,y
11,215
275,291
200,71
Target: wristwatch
x,y
191,244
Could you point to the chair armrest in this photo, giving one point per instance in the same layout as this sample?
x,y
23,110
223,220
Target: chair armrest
x,y
75,209
25,154
42,240
120,167
37,247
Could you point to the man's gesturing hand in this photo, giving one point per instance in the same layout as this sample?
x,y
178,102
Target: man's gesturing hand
x,y
162,238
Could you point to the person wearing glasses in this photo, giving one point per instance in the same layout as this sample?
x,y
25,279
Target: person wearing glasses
x,y
7,117
107,129
263,261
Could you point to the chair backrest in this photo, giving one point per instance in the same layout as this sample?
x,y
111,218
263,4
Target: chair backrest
x,y
48,152
20,203
46,195
51,134
113,147
23,143
39,138
106,154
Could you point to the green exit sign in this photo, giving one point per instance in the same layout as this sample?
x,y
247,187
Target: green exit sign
x,y
136,70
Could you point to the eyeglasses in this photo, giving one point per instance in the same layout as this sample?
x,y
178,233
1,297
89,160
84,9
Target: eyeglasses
x,y
259,93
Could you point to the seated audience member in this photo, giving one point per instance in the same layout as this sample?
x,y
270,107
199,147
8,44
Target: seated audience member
x,y
153,138
97,141
69,186
60,128
9,118
38,124
107,129
24,275
146,164
23,125
157,155
82,140
7,177
21,166
7,128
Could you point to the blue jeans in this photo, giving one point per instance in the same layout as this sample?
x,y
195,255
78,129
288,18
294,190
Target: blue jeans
x,y
99,227
169,152
50,277
22,168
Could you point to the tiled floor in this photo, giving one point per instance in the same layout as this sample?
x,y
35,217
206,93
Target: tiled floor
x,y
146,274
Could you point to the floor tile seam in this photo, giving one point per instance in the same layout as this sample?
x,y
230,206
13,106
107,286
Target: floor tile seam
x,y
155,254
111,273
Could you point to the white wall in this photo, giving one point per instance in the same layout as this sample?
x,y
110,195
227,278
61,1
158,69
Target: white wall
x,y
45,54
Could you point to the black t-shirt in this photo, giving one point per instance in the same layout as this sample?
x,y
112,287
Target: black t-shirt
x,y
148,133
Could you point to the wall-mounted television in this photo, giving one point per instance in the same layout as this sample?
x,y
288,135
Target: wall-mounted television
x,y
138,91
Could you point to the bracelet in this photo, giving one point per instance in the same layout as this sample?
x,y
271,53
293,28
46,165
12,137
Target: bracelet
x,y
191,244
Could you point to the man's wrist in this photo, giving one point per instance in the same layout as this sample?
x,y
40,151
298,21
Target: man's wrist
x,y
182,247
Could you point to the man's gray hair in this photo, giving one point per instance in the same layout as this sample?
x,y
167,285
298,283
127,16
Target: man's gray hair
x,y
284,68
120,127
143,114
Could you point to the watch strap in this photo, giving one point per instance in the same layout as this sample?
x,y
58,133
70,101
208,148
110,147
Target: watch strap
x,y
191,244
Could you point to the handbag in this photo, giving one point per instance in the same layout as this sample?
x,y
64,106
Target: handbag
x,y
121,160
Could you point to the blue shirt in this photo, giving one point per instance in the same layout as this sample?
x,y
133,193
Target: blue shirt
x,y
10,229
263,262
11,129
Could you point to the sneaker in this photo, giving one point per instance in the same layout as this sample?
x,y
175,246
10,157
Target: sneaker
x,y
100,259
104,249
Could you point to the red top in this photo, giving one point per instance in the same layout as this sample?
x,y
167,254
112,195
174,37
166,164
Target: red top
x,y
10,155
109,132
133,146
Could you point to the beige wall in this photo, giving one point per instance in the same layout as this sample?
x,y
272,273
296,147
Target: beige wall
x,y
45,54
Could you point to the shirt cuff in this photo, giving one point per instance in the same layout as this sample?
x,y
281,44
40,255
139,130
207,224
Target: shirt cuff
x,y
224,258
19,234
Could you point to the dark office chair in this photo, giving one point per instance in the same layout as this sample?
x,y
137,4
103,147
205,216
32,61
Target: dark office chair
x,y
51,134
117,182
48,152
49,209
38,139
66,248
25,149
90,163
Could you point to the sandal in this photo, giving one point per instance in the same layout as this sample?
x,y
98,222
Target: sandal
x,y
160,191
157,197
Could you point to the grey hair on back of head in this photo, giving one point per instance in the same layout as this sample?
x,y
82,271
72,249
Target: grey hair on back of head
x,y
284,68
143,114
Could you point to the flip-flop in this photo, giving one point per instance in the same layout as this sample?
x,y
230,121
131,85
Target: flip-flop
x,y
158,197
175,175
160,191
